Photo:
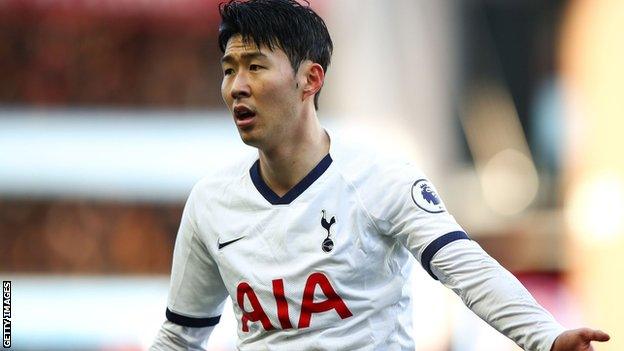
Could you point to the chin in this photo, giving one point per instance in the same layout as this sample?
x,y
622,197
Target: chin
x,y
249,138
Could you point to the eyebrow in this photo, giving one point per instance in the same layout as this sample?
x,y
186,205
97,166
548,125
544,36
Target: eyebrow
x,y
244,56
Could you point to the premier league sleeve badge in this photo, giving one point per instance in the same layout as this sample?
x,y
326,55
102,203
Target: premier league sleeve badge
x,y
426,197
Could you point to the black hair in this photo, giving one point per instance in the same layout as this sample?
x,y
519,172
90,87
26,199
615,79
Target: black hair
x,y
285,24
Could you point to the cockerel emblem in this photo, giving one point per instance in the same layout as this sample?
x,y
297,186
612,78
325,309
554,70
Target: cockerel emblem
x,y
328,243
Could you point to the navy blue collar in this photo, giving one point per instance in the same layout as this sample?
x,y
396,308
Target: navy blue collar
x,y
293,193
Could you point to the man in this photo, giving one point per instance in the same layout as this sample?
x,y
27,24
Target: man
x,y
311,239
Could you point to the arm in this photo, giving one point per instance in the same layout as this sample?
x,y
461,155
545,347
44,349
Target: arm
x,y
196,293
495,295
176,337
406,206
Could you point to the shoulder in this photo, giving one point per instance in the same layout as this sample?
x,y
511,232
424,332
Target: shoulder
x,y
366,167
385,181
225,176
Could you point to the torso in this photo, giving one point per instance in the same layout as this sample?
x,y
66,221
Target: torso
x,y
350,292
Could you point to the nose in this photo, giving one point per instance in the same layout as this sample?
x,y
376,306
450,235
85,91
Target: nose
x,y
240,87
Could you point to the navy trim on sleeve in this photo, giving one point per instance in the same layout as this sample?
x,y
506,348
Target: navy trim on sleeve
x,y
191,321
435,246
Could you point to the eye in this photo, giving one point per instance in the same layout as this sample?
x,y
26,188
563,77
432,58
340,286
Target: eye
x,y
254,67
228,71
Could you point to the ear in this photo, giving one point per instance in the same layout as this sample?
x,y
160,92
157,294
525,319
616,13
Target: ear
x,y
311,79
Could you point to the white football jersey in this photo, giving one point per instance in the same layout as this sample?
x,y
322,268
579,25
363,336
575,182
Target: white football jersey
x,y
324,267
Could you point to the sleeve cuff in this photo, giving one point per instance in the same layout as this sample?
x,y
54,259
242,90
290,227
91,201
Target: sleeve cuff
x,y
435,246
192,322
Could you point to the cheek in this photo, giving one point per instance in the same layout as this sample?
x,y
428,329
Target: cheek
x,y
279,91
224,91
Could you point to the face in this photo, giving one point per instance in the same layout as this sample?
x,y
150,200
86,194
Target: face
x,y
261,90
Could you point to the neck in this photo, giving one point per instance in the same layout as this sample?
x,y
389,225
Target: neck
x,y
283,166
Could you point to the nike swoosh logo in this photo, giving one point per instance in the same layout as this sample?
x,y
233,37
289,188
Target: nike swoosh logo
x,y
222,245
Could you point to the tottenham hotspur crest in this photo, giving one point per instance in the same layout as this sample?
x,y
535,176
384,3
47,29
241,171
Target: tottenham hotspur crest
x,y
328,243
426,197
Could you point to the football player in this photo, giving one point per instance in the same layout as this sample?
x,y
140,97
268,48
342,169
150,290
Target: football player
x,y
313,240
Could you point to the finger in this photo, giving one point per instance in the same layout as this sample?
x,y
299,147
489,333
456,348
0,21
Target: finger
x,y
599,335
595,335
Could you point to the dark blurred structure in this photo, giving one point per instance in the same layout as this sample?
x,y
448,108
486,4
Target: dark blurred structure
x,y
515,42
514,45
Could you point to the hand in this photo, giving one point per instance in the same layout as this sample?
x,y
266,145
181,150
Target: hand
x,y
578,340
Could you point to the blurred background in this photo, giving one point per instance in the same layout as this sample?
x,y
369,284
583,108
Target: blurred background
x,y
110,110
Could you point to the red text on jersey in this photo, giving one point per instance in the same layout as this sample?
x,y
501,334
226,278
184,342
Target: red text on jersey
x,y
308,305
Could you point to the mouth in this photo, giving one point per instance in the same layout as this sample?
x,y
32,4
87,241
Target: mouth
x,y
244,116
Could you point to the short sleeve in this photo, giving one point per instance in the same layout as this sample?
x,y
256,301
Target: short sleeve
x,y
405,205
196,294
